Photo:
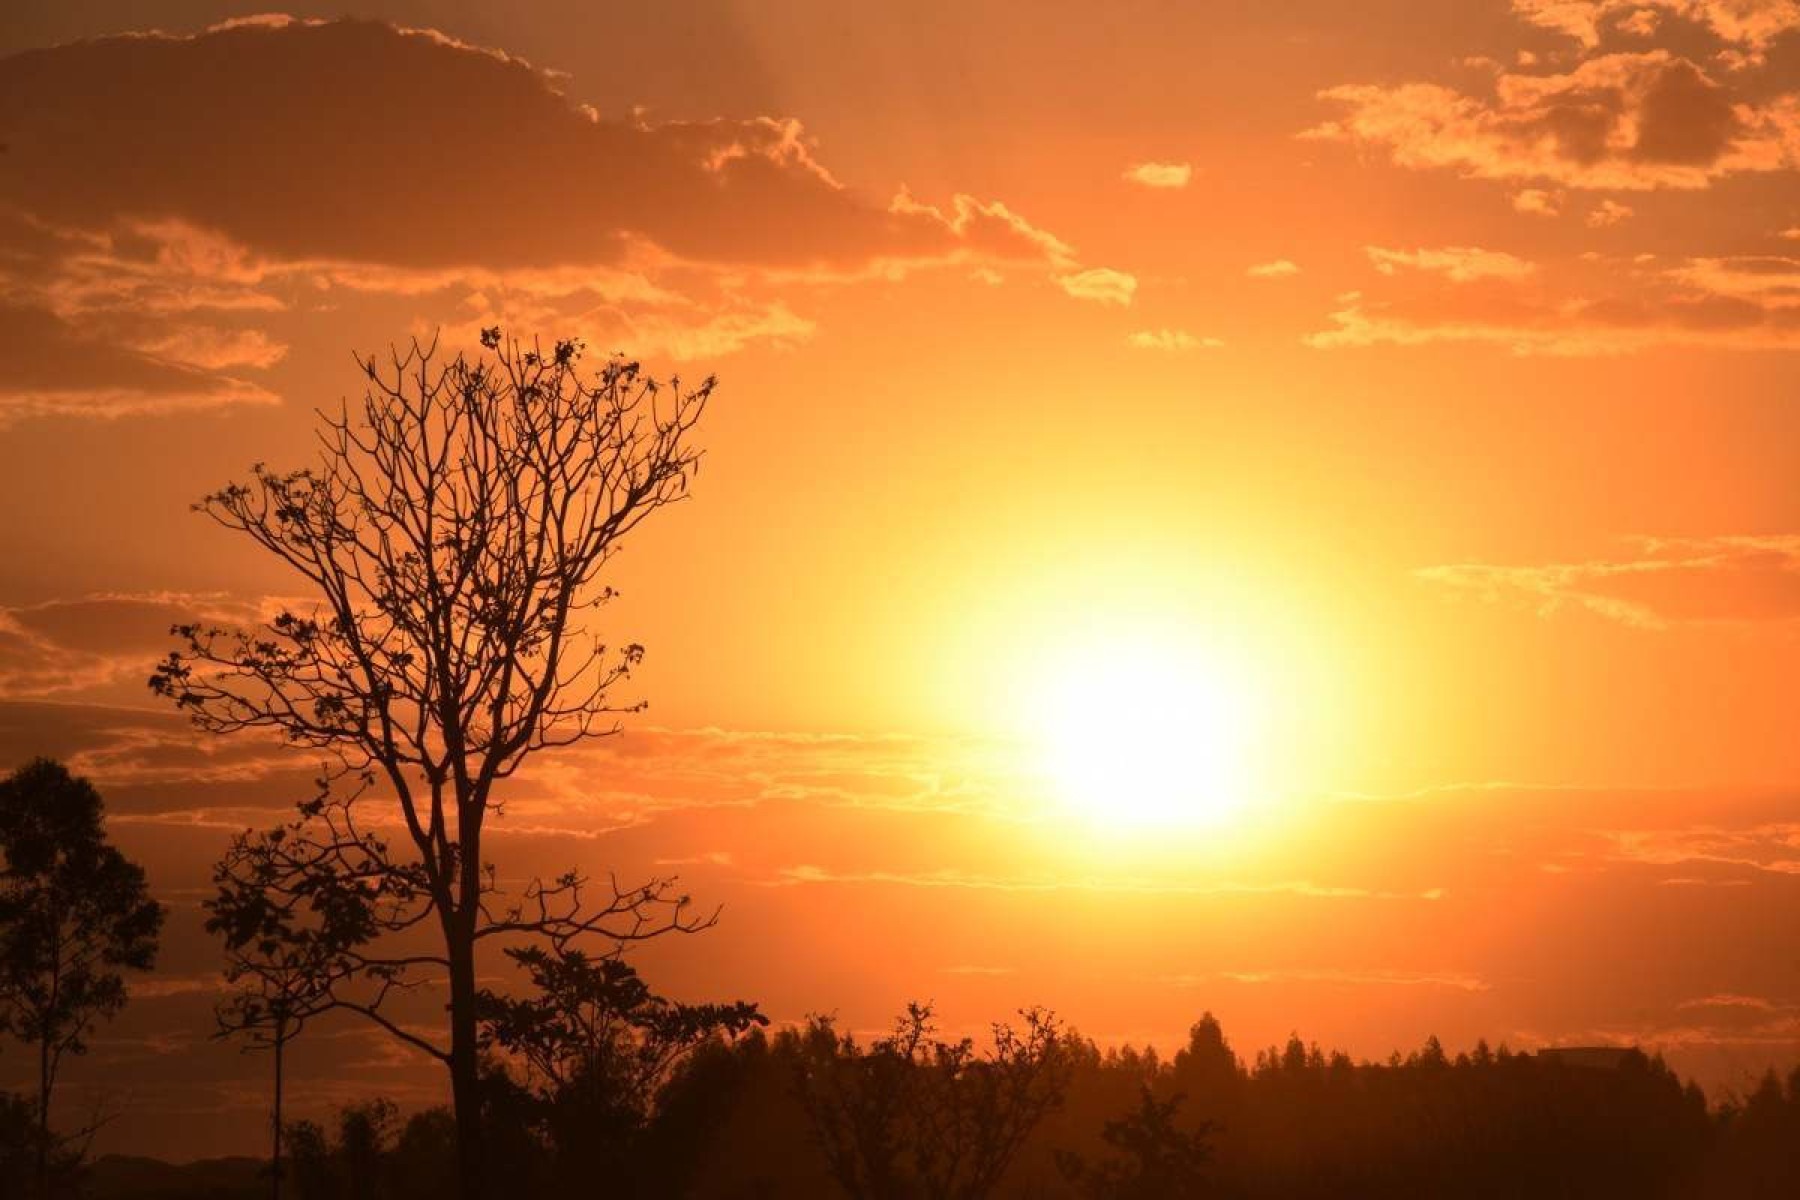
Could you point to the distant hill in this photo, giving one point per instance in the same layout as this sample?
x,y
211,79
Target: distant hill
x,y
126,1177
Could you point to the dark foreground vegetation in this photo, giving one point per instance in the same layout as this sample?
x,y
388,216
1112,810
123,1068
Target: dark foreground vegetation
x,y
1043,1113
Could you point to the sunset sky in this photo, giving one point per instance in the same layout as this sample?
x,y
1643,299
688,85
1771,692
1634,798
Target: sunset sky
x,y
1367,430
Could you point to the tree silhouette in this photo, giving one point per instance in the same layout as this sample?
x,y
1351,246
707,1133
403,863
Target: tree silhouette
x,y
21,1170
281,965
354,1164
596,1046
730,1123
452,537
917,1115
74,913
1156,1159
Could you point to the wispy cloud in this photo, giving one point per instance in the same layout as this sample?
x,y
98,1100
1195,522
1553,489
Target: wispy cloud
x,y
1771,848
1607,213
1671,580
980,971
1160,174
1171,341
1103,285
1459,264
1537,202
808,874
1447,980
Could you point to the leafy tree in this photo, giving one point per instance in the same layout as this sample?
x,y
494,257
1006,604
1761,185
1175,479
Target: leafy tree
x,y
20,1142
365,1133
1156,1159
74,914
294,925
597,1046
915,1114
452,536
594,1023
352,1166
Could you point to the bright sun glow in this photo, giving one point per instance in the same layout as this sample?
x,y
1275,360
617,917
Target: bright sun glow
x,y
1151,733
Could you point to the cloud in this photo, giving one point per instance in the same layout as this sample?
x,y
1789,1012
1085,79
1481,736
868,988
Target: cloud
x,y
1281,268
1607,213
290,185
55,369
1732,1000
1103,285
161,987
171,197
1589,305
1459,264
1537,202
709,858
1770,848
1624,122
84,644
678,327
810,874
1771,281
1752,24
1668,581
1171,341
1693,881
1160,174
981,971
1447,980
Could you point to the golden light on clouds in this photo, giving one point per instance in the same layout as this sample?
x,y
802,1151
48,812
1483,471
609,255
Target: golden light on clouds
x,y
1161,174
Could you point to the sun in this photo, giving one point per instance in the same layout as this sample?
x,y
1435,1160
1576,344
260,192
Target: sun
x,y
1148,732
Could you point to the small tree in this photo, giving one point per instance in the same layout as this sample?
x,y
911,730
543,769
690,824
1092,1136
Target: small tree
x,y
281,966
353,1166
596,1046
1156,1159
452,535
74,914
915,1114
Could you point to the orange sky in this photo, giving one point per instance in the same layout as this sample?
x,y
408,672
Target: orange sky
x,y
1430,365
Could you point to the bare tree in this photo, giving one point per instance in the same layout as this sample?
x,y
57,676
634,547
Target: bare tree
x,y
452,536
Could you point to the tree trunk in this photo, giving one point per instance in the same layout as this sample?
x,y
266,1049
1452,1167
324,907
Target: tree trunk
x,y
275,1153
43,1130
465,1082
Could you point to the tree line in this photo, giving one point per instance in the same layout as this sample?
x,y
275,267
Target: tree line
x,y
808,1113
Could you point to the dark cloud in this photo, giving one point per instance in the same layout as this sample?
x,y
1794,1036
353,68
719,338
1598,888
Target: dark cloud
x,y
174,196
55,369
355,141
94,645
1684,118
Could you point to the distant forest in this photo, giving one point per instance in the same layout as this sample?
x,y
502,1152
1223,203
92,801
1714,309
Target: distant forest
x,y
1045,1113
